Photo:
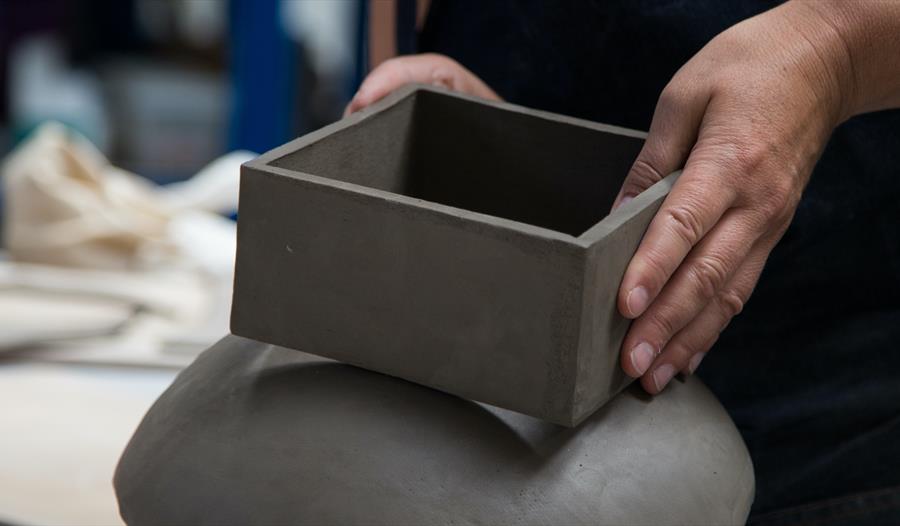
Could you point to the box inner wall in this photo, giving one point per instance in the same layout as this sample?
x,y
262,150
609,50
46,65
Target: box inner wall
x,y
467,155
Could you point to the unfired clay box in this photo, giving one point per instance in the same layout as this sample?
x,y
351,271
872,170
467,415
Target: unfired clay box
x,y
459,244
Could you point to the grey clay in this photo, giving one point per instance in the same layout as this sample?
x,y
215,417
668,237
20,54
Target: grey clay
x,y
456,243
257,434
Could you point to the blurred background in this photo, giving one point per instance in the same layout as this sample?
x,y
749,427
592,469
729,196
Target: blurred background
x,y
163,87
123,124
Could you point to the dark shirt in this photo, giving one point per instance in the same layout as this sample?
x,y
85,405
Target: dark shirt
x,y
810,371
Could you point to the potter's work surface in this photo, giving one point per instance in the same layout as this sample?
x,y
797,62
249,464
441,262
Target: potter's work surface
x,y
257,434
457,243
62,430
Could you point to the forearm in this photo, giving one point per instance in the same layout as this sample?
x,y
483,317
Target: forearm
x,y
863,40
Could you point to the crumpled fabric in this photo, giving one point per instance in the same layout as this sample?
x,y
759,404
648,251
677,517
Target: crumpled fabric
x,y
105,266
67,205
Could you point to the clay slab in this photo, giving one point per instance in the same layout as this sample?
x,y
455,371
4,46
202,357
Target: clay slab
x,y
456,243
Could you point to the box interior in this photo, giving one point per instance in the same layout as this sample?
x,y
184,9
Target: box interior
x,y
481,158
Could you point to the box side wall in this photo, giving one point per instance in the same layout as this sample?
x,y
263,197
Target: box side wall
x,y
374,153
516,165
476,310
599,373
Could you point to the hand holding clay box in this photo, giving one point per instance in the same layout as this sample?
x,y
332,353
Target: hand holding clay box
x,y
457,243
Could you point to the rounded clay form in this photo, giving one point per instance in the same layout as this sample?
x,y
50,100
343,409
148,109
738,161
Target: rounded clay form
x,y
257,434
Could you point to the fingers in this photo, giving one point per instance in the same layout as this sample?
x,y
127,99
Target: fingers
x,y
673,132
427,68
695,204
388,76
698,281
686,350
683,219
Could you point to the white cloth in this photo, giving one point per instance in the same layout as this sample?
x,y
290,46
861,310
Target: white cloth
x,y
66,205
88,242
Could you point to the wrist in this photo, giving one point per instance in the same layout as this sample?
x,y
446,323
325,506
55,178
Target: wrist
x,y
862,39
824,57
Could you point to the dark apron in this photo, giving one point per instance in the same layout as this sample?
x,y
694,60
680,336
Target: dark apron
x,y
810,371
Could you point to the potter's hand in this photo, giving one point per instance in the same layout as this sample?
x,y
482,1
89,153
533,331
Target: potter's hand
x,y
427,68
747,118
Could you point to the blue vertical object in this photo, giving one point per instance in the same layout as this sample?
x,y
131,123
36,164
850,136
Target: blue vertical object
x,y
264,73
362,45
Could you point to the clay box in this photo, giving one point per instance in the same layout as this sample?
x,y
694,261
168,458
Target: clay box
x,y
455,243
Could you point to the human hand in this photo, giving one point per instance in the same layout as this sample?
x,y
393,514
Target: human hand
x,y
427,68
747,118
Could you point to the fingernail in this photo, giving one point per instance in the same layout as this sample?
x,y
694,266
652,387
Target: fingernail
x,y
662,375
621,202
358,96
637,301
642,356
695,362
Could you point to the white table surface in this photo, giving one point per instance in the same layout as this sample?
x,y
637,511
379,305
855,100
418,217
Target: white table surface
x,y
62,429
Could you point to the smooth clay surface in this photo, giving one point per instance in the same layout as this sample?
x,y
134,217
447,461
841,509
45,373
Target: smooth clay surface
x,y
455,243
257,434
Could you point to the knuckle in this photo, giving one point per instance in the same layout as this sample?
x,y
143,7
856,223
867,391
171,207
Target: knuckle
x,y
685,223
444,78
777,200
751,158
771,189
656,269
661,325
787,196
674,96
730,304
680,352
643,175
708,274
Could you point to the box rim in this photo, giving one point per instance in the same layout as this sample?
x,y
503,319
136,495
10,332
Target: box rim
x,y
584,240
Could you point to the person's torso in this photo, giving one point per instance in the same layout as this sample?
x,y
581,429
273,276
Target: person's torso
x,y
814,358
